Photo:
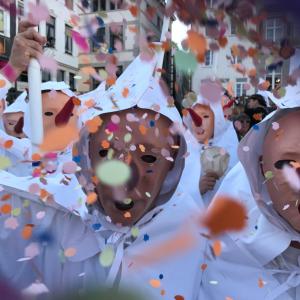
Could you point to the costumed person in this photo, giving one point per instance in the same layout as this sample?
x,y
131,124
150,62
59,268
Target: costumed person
x,y
267,253
212,145
130,166
241,125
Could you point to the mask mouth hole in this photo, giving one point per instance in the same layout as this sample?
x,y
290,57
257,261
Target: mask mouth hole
x,y
123,206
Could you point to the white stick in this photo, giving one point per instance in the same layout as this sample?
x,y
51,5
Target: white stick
x,y
35,97
161,54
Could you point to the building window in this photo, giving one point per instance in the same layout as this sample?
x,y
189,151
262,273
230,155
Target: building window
x,y
209,57
68,39
69,4
114,37
98,5
116,4
60,75
274,29
239,87
159,22
119,71
1,21
72,81
232,27
46,76
274,76
50,32
98,39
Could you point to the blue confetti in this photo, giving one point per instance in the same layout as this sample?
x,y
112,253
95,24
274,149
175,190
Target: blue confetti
x,y
96,226
146,237
161,276
152,123
255,127
77,159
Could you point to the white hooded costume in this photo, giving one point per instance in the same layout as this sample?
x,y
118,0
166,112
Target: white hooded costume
x,y
92,234
257,263
224,137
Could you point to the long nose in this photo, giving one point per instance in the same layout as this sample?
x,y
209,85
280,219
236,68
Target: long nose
x,y
134,178
65,114
19,126
197,120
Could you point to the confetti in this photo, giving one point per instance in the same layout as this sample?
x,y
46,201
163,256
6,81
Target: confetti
x,y
69,252
261,283
155,283
5,209
286,207
214,282
146,237
48,63
246,148
217,248
275,126
59,139
32,250
269,175
211,90
38,12
81,42
27,231
224,214
125,92
135,231
179,297
93,125
91,198
127,137
8,144
107,256
185,61
113,172
69,167
11,223
4,162
34,188
115,119
16,212
40,215
196,43
35,289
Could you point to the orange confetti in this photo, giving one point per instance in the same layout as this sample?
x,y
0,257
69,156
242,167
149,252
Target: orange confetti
x,y
133,29
69,252
166,46
252,52
88,70
134,10
36,157
95,180
127,215
228,298
217,247
142,148
264,85
59,139
196,42
203,267
43,194
8,144
162,292
258,117
76,101
224,214
110,81
5,197
27,231
5,209
223,41
91,198
155,283
261,283
2,83
143,130
93,125
89,103
105,144
179,297
125,92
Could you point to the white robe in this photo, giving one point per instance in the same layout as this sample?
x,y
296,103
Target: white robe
x,y
180,272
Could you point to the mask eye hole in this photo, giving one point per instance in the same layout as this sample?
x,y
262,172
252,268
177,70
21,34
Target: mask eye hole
x,y
48,113
206,116
103,153
280,163
149,159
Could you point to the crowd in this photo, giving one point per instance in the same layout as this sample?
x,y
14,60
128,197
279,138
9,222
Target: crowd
x,y
126,192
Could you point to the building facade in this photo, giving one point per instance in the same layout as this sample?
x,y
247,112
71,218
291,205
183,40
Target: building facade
x,y
60,45
118,34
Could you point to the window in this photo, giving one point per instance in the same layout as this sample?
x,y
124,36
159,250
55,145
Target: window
x,y
69,4
114,37
60,75
239,87
274,29
50,32
159,22
274,76
98,5
46,76
116,4
72,81
119,71
1,21
68,39
232,27
209,55
98,38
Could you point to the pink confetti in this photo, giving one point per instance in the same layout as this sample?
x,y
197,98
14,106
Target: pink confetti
x,y
32,250
69,167
48,63
246,148
11,223
211,90
275,126
34,188
38,13
112,127
81,42
40,215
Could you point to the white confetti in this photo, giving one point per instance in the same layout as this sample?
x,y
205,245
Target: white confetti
x,y
286,207
246,148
